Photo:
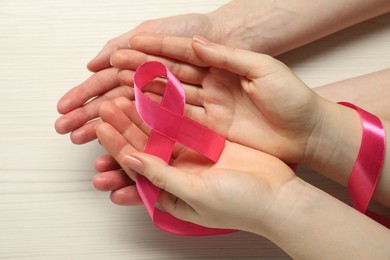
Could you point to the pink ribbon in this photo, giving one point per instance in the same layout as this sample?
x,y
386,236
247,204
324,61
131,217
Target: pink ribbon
x,y
169,125
368,166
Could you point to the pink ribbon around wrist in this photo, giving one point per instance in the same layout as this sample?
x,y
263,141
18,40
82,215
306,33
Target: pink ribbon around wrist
x,y
169,125
368,166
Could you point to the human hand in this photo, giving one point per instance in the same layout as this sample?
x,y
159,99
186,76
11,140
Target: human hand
x,y
249,98
236,192
279,121
79,115
245,190
218,100
111,177
234,24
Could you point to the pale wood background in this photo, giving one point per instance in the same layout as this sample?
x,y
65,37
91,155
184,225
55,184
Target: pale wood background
x,y
48,207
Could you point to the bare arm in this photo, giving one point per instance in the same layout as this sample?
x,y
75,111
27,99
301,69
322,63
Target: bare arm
x,y
260,194
335,145
310,224
266,26
371,92
274,27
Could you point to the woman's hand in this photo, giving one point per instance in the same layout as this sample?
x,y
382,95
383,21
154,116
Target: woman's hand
x,y
249,98
264,26
246,190
236,192
79,111
79,106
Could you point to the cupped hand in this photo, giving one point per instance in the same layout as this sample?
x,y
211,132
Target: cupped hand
x,y
79,106
236,192
249,98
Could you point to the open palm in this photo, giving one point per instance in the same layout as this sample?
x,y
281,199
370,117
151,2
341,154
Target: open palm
x,y
254,175
268,108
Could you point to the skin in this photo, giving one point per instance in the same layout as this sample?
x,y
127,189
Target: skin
x,y
272,202
290,131
263,26
282,196
121,144
270,31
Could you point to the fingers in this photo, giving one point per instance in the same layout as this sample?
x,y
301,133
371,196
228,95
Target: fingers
x,y
178,48
111,180
128,59
115,144
76,119
95,85
184,71
266,80
168,178
122,115
126,196
85,133
157,86
102,60
105,163
245,63
128,108
123,189
177,186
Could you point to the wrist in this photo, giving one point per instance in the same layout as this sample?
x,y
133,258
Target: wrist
x,y
286,200
333,146
246,26
308,223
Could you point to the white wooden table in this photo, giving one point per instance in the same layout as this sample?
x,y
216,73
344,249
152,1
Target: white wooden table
x,y
48,207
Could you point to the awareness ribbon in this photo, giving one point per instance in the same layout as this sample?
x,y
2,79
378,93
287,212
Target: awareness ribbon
x,y
368,166
169,125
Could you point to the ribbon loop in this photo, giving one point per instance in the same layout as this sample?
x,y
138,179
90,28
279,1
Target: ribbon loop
x,y
169,125
368,166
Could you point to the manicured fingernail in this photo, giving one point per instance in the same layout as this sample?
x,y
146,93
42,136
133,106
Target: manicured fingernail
x,y
201,40
133,163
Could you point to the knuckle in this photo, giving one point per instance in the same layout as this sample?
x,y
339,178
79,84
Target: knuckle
x,y
188,54
112,43
159,181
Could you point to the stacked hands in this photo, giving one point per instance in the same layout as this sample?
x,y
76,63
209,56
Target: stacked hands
x,y
269,118
263,110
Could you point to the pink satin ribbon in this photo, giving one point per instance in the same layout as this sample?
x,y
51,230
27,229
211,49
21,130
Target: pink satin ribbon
x,y
169,125
368,166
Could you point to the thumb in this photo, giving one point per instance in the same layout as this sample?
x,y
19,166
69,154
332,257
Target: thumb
x,y
242,62
159,173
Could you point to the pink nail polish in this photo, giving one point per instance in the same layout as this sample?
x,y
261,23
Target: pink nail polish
x,y
133,163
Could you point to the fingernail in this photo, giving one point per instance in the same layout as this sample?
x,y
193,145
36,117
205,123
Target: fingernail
x,y
201,40
133,163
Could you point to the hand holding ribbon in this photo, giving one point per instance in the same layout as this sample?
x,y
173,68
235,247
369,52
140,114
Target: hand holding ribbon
x,y
258,102
168,126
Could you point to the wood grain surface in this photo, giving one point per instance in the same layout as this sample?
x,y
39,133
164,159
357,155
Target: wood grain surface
x,y
48,207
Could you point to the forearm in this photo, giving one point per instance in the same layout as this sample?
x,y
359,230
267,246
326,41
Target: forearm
x,y
308,223
274,27
370,92
334,146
